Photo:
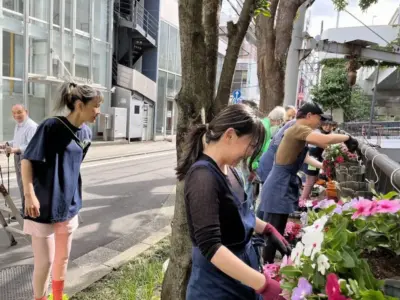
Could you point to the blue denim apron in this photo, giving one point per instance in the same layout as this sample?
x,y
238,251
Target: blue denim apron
x,y
280,192
207,281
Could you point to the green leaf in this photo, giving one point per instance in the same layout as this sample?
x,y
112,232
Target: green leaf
x,y
370,281
307,270
319,280
289,286
390,195
372,295
354,287
348,261
290,271
333,256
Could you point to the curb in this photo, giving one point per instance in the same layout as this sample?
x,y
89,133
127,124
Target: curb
x,y
86,279
81,279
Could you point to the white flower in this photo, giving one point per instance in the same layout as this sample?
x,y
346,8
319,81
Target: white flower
x,y
318,225
296,253
323,264
312,241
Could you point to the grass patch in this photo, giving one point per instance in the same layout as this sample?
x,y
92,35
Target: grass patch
x,y
139,279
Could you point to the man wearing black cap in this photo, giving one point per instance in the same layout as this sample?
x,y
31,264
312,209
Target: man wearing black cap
x,y
280,192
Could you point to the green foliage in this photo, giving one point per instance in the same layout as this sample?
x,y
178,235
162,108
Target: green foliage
x,y
363,4
346,237
263,8
335,92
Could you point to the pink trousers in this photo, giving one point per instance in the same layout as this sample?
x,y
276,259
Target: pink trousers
x,y
51,245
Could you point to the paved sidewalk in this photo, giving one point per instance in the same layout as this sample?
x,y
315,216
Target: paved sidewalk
x,y
106,150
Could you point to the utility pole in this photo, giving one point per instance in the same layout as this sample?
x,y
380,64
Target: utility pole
x,y
319,64
371,116
337,18
293,60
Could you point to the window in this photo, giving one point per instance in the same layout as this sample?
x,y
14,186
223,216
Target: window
x,y
163,46
161,88
137,110
13,55
172,48
82,15
171,85
39,9
15,5
100,24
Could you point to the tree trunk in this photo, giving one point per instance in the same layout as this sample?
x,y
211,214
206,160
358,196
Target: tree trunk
x,y
236,35
274,37
197,86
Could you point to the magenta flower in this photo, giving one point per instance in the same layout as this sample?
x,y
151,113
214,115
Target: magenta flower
x,y
363,208
388,206
303,289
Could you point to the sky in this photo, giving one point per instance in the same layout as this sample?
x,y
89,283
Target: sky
x,y
378,14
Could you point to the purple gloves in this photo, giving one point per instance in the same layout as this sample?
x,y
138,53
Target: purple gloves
x,y
271,289
277,239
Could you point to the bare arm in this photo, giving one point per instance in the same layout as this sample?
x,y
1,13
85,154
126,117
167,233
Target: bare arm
x,y
27,177
232,266
313,162
322,140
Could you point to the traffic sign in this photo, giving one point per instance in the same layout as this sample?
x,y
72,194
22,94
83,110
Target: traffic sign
x,y
236,96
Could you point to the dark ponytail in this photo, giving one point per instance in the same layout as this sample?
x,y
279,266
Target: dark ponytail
x,y
194,146
242,118
70,92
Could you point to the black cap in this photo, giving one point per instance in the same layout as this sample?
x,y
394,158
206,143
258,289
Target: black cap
x,y
315,109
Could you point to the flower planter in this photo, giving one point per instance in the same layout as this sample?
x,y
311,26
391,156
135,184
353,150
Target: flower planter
x,y
347,172
354,189
392,287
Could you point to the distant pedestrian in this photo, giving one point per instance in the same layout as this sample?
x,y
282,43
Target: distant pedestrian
x,y
225,264
23,133
53,185
290,113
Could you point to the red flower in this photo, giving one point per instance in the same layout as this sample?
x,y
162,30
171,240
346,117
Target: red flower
x,y
340,159
332,288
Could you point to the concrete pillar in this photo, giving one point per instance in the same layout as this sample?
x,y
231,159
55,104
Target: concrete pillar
x,y
292,61
1,76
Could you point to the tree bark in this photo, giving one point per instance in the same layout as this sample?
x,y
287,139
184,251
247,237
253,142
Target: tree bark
x,y
236,35
274,37
197,91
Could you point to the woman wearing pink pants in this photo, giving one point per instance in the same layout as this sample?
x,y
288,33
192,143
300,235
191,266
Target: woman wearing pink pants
x,y
53,186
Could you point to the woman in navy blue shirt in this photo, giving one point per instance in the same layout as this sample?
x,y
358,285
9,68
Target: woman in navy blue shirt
x,y
52,184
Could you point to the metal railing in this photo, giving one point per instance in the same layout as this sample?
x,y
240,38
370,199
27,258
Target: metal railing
x,y
380,169
135,11
382,129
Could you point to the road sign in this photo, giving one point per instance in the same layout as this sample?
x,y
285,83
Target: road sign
x,y
236,96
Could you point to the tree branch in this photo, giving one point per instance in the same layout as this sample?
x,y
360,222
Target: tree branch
x,y
236,35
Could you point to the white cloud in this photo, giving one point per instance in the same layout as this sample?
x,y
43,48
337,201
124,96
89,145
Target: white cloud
x,y
323,10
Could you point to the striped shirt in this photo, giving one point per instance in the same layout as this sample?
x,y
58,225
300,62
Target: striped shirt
x,y
23,134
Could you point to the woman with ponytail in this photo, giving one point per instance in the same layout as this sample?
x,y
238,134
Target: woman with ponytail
x,y
225,264
53,187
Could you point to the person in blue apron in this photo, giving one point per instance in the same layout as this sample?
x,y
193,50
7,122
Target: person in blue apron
x,y
311,171
225,263
280,191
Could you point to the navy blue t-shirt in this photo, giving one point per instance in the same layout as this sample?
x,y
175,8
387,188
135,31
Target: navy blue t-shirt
x,y
56,157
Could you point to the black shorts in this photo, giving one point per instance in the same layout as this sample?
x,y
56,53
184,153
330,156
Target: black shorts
x,y
310,170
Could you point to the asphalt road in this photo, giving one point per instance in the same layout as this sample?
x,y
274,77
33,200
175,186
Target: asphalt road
x,y
122,197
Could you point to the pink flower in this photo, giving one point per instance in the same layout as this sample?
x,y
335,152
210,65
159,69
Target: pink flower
x,y
273,271
292,230
364,208
286,261
388,206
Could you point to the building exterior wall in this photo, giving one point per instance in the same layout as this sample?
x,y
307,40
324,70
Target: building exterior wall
x,y
80,41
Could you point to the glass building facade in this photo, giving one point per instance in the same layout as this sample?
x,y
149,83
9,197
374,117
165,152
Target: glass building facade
x,y
169,79
45,42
